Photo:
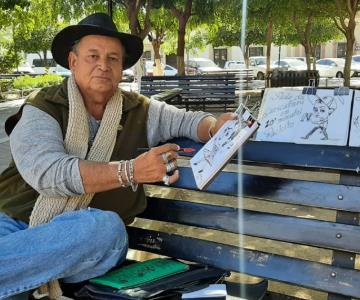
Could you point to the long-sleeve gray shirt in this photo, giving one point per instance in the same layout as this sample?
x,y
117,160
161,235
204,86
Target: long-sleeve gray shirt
x,y
38,148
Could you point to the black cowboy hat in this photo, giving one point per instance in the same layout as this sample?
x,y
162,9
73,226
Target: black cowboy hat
x,y
97,24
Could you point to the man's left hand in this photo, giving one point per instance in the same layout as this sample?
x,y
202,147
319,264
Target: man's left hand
x,y
220,122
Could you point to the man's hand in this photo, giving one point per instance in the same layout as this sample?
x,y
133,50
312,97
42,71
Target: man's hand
x,y
220,122
151,166
209,125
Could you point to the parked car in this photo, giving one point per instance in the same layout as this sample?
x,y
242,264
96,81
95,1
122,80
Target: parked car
x,y
258,64
199,66
235,65
355,65
42,66
331,67
302,58
60,70
356,58
289,64
128,75
239,67
24,68
168,70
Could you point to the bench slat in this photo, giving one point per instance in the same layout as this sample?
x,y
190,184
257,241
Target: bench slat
x,y
283,228
295,155
315,194
290,270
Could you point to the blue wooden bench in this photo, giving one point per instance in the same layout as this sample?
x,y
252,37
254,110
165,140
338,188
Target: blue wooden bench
x,y
196,92
290,216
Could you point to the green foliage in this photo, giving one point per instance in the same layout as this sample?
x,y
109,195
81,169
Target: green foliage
x,y
5,84
10,4
28,82
9,58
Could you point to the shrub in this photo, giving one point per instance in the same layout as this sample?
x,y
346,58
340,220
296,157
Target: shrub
x,y
5,84
28,82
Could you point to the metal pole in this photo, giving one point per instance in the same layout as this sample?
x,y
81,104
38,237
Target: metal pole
x,y
110,10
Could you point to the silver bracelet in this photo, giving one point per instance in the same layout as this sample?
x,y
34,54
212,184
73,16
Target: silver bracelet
x,y
133,184
119,171
126,172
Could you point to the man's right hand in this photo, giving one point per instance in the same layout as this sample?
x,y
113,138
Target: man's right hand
x,y
151,166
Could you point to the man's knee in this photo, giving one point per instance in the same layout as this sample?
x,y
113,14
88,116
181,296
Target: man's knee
x,y
107,228
96,227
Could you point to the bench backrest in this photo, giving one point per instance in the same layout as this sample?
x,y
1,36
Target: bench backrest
x,y
296,220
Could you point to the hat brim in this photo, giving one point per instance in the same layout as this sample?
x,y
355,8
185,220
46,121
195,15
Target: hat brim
x,y
65,39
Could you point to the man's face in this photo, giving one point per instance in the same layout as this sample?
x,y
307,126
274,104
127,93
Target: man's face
x,y
97,64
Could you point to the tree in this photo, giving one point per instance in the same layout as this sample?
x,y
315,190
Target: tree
x,y
343,14
225,29
161,23
199,10
308,26
138,13
273,14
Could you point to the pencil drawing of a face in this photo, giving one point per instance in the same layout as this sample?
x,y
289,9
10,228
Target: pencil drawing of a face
x,y
321,111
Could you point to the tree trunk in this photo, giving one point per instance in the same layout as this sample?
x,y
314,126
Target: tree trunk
x,y
269,35
158,70
313,54
307,48
182,17
246,55
181,46
349,52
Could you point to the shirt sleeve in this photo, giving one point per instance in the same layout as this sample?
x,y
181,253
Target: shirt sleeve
x,y
167,121
38,150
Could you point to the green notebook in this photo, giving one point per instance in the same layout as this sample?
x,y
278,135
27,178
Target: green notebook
x,y
140,273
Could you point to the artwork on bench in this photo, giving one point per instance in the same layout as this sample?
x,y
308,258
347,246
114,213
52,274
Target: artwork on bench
x,y
213,156
354,140
291,115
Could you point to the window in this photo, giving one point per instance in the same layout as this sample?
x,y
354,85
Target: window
x,y
341,50
220,57
256,51
322,62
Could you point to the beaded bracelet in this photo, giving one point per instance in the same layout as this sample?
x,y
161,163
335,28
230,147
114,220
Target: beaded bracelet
x,y
126,174
119,173
133,184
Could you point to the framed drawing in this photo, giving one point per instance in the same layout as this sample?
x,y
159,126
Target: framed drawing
x,y
354,140
279,114
325,118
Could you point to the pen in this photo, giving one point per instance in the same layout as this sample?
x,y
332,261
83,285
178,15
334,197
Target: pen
x,y
185,150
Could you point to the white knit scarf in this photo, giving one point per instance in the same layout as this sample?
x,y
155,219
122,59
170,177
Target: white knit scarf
x,y
76,143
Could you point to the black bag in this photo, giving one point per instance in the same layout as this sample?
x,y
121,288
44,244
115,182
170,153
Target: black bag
x,y
171,287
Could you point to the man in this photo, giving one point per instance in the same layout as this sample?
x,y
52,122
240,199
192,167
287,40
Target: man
x,y
76,145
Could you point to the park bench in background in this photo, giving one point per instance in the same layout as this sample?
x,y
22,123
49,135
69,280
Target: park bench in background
x,y
298,227
204,92
279,78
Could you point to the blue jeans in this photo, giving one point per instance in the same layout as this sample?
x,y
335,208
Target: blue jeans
x,y
74,246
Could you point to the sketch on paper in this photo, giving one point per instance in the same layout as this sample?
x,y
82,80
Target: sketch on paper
x,y
279,114
354,140
324,119
221,147
287,115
